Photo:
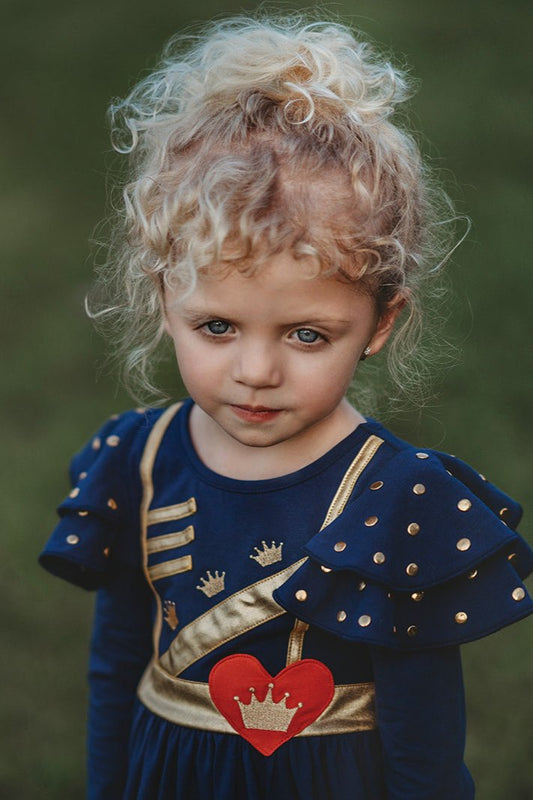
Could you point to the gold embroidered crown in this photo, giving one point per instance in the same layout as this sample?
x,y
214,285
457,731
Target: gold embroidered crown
x,y
267,715
213,585
269,554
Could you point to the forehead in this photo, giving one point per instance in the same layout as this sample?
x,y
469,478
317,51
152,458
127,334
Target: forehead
x,y
282,287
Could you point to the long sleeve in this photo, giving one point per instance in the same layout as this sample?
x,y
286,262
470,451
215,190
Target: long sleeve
x,y
421,719
120,650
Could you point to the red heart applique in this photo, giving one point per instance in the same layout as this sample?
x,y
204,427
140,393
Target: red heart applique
x,y
269,711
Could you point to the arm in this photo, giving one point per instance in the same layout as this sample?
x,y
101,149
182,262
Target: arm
x,y
120,650
421,718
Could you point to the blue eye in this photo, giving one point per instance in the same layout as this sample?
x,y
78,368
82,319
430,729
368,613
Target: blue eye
x,y
217,326
307,336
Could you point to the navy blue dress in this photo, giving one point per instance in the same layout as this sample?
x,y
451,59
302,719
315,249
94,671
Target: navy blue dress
x,y
296,637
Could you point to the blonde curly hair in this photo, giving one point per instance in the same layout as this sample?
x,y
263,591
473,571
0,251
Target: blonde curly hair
x,y
256,136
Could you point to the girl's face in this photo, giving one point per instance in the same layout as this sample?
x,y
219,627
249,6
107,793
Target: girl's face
x,y
268,357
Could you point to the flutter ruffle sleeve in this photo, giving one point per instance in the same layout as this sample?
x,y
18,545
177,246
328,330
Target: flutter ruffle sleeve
x,y
424,555
96,515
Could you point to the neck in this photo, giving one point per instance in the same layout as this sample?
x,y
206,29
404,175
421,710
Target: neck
x,y
227,456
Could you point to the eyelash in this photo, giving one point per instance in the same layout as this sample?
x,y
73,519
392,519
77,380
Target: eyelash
x,y
207,331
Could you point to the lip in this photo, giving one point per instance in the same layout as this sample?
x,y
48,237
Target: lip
x,y
255,413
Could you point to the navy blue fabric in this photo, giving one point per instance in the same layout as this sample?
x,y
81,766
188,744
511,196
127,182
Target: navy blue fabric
x,y
417,754
179,764
457,578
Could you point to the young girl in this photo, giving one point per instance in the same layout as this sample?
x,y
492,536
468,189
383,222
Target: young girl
x,y
283,585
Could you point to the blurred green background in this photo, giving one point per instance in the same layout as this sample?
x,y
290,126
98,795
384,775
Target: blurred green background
x,y
62,62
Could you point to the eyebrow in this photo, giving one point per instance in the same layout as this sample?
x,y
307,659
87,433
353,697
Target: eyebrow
x,y
198,314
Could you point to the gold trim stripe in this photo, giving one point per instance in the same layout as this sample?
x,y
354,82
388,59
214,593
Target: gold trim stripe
x,y
167,568
342,495
158,544
352,474
296,641
242,611
170,513
180,701
145,471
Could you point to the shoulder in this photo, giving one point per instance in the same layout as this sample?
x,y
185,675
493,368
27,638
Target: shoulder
x,y
424,554
98,527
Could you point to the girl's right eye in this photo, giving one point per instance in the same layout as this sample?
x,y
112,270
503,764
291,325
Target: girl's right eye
x,y
217,326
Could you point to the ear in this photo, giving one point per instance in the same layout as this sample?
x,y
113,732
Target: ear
x,y
386,322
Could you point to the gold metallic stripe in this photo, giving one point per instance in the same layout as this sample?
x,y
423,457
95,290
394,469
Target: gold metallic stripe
x,y
244,610
169,513
342,495
167,568
296,641
145,470
157,544
188,703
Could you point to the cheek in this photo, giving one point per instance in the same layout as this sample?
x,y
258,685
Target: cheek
x,y
327,377
197,365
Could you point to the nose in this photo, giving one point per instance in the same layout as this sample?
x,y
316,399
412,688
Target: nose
x,y
257,364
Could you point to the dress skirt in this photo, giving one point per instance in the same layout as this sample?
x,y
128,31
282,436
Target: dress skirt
x,y
171,762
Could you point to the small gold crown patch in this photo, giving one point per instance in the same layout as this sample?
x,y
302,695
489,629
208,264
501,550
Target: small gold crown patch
x,y
171,618
267,715
213,584
270,554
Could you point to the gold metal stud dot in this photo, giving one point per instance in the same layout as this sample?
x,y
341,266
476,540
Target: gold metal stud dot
x,y
422,455
106,552
411,569
412,630
361,585
112,504
72,538
96,443
461,617
75,492
413,528
301,595
464,544
472,575
371,521
376,485
503,511
518,593
82,513
325,569
464,504
511,557
419,488
417,596
339,547
341,616
82,476
113,440
364,620
378,558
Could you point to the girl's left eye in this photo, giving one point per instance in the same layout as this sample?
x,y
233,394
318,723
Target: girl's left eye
x,y
307,336
217,326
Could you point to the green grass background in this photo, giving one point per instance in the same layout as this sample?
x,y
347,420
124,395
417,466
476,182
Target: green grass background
x,y
61,63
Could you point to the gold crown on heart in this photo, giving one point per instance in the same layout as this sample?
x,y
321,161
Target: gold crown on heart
x,y
266,715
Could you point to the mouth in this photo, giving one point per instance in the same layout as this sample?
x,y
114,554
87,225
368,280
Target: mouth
x,y
255,413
